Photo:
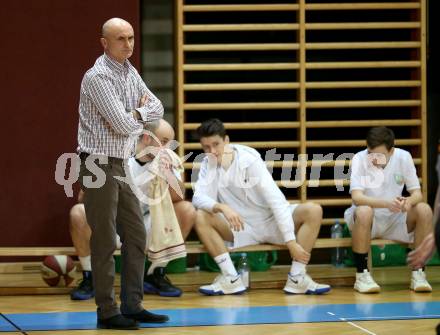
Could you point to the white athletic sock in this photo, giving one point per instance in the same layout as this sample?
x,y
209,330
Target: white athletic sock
x,y
225,264
85,262
156,265
297,268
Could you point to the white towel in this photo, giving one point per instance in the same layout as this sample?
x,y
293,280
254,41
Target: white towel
x,y
165,242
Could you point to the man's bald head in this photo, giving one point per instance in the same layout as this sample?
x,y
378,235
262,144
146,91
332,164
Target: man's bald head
x,y
158,134
113,24
117,39
164,132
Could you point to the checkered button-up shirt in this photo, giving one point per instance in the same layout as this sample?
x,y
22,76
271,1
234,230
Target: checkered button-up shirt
x,y
109,92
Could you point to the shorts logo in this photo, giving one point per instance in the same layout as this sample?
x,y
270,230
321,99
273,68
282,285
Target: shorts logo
x,y
398,178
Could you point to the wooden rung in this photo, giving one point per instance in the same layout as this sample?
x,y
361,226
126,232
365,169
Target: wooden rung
x,y
356,143
327,182
360,103
241,105
296,184
250,125
315,183
360,6
362,65
346,242
236,8
362,25
363,84
240,86
241,67
263,144
328,202
362,123
331,221
280,164
241,27
361,45
308,183
241,47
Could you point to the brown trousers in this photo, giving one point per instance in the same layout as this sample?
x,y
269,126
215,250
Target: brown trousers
x,y
110,209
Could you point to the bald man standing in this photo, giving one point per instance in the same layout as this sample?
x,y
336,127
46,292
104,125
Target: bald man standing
x,y
114,106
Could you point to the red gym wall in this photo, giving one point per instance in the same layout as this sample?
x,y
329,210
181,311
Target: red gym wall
x,y
46,47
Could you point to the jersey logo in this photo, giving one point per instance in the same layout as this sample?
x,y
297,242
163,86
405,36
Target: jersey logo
x,y
398,178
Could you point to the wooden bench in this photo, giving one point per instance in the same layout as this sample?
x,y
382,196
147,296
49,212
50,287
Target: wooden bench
x,y
191,248
334,276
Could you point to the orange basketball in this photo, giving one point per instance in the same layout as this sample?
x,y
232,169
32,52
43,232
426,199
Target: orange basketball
x,y
58,270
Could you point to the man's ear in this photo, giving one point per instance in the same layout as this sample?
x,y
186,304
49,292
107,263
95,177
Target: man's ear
x,y
227,139
103,43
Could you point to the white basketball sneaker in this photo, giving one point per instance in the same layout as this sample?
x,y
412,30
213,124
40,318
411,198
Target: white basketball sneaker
x,y
224,285
419,282
365,283
303,284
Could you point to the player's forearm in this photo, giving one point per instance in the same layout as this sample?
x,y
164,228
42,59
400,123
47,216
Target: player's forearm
x,y
219,208
363,200
415,198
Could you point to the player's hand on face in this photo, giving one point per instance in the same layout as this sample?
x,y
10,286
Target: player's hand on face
x,y
234,219
299,254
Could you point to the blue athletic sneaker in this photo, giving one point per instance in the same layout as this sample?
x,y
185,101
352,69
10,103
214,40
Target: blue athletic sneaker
x,y
85,290
158,283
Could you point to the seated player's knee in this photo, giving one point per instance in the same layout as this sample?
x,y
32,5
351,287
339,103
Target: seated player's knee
x,y
315,210
189,213
192,215
77,217
202,219
313,213
424,212
364,216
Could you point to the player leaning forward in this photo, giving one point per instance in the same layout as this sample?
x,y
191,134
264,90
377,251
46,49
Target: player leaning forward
x,y
378,175
239,202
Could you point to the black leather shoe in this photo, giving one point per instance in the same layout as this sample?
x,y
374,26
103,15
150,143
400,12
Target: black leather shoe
x,y
118,322
147,317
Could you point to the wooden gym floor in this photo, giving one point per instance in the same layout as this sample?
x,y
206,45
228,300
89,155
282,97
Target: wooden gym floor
x,y
394,282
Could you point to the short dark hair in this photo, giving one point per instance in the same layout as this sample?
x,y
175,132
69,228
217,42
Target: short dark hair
x,y
380,136
211,127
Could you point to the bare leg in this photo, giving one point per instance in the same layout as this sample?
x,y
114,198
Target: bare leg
x,y
307,219
361,230
419,220
80,230
186,216
213,230
360,241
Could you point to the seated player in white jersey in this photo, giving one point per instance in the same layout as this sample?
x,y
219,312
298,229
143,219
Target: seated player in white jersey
x,y
239,202
378,176
155,279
